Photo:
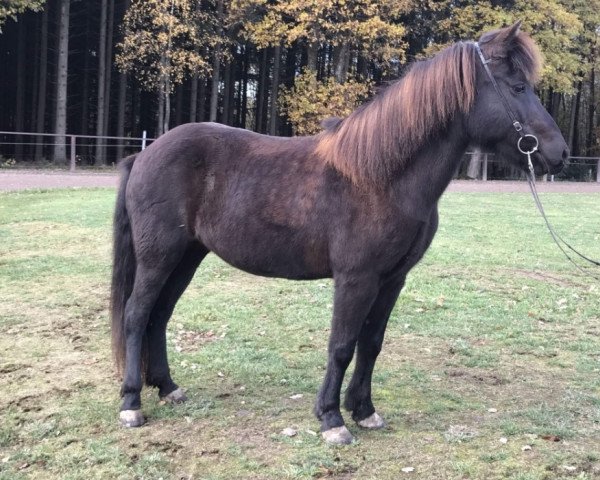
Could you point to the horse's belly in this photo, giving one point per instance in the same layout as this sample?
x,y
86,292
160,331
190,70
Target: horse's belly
x,y
272,253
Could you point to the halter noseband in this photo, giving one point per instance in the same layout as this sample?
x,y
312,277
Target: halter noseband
x,y
509,111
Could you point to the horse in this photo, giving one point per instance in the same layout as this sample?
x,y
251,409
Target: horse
x,y
356,202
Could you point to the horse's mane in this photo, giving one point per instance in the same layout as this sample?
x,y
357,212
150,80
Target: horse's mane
x,y
381,136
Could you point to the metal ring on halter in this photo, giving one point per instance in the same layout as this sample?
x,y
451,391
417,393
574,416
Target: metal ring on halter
x,y
533,149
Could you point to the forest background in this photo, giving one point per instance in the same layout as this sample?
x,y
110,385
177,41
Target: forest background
x,y
121,67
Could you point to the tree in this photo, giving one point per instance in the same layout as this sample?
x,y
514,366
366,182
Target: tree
x,y
310,102
60,117
11,8
162,44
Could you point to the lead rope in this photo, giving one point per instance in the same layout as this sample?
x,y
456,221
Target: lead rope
x,y
530,173
555,236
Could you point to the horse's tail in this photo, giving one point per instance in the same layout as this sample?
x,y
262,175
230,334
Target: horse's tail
x,y
124,264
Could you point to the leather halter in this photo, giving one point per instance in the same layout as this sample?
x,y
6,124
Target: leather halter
x,y
510,112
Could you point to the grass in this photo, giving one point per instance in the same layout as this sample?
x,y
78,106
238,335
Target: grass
x,y
495,337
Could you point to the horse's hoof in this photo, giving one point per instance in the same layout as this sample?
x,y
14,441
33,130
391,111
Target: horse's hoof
x,y
372,422
131,418
338,436
175,397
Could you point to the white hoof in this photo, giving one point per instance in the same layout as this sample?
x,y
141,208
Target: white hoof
x,y
176,396
131,418
338,436
373,422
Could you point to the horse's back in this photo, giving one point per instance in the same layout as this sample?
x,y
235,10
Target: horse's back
x,y
259,202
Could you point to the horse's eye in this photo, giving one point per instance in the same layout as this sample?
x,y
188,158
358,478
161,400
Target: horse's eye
x,y
520,88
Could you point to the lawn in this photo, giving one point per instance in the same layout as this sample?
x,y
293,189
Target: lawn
x,y
490,368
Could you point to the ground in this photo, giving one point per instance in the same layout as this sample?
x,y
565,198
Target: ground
x,y
490,368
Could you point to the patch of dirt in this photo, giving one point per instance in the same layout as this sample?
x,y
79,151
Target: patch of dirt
x,y
545,277
192,340
477,376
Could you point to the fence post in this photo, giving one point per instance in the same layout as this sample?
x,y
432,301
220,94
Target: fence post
x,y
485,165
73,153
144,140
598,172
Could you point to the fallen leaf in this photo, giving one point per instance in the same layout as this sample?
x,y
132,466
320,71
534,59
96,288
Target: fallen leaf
x,y
289,432
526,448
408,469
550,438
569,468
296,396
503,440
492,410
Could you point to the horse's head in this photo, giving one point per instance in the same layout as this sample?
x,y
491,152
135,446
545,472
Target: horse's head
x,y
514,62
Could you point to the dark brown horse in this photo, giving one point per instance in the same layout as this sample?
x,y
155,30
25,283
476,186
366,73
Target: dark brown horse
x,y
357,202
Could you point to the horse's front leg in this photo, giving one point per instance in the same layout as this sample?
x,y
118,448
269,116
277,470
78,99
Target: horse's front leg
x,y
354,295
358,396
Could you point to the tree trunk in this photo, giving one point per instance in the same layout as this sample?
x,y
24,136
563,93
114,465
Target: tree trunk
x,y
41,107
20,97
312,52
474,167
341,59
201,100
244,90
193,97
99,154
273,118
121,114
84,119
167,95
179,105
109,64
60,118
261,111
227,106
214,94
33,100
575,144
161,111
589,141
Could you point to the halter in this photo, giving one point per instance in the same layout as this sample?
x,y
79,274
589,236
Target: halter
x,y
530,173
510,112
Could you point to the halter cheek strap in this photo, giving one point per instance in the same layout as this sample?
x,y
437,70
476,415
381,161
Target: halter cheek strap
x,y
513,118
510,112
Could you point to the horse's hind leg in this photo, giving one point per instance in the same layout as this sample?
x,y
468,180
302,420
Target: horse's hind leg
x,y
157,368
358,396
154,266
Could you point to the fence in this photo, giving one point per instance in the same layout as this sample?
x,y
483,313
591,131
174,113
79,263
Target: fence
x,y
487,166
79,149
84,149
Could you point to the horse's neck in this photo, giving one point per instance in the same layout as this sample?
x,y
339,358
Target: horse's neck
x,y
423,181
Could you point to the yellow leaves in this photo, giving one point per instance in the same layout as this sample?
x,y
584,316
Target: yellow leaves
x,y
163,40
309,102
366,24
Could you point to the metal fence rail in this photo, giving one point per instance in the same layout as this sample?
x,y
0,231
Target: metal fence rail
x,y
486,165
72,142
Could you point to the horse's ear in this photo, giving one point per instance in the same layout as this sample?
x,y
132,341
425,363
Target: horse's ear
x,y
505,37
509,34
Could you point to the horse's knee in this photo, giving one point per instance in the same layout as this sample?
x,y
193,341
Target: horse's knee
x,y
342,353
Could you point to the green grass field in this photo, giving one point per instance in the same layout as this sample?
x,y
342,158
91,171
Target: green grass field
x,y
490,368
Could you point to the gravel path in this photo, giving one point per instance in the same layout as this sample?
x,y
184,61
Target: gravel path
x,y
27,179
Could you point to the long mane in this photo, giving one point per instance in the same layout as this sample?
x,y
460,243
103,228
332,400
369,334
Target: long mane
x,y
381,136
